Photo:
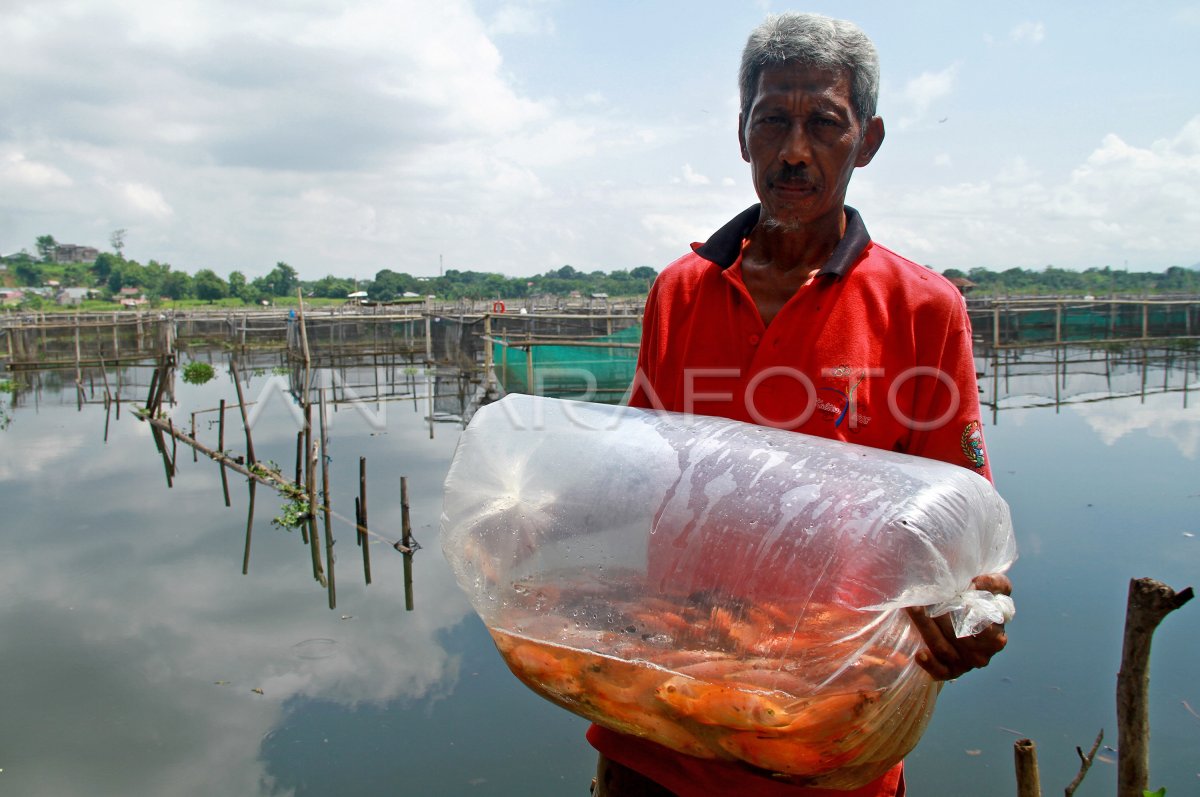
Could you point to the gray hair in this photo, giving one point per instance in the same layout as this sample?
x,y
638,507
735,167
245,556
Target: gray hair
x,y
812,40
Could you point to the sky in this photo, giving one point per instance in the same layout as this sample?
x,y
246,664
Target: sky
x,y
518,136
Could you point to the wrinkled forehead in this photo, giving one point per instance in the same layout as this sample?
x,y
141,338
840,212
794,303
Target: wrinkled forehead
x,y
793,79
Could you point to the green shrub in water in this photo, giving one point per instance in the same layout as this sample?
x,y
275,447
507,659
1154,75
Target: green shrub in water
x,y
197,373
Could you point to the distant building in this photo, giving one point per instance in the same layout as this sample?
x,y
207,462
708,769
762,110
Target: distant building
x,y
72,253
130,297
963,284
73,297
10,296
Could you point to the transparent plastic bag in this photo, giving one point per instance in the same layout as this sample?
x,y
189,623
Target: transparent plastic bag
x,y
728,590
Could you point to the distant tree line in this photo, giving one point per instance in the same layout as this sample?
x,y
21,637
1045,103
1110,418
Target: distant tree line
x,y
1094,281
112,271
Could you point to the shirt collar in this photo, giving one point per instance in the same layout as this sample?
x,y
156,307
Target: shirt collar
x,y
724,247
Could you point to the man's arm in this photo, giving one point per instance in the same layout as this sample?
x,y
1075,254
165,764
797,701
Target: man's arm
x,y
947,656
959,441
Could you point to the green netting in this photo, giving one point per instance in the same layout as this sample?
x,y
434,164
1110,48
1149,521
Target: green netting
x,y
593,372
1098,321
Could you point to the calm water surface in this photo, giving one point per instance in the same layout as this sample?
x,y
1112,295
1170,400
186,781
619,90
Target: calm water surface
x,y
132,645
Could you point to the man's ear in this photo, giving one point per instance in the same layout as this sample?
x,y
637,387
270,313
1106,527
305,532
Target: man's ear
x,y
742,140
872,141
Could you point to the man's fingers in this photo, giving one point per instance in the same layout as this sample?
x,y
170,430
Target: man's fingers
x,y
941,659
997,583
947,656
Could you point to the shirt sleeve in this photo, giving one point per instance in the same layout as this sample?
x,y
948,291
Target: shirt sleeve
x,y
954,430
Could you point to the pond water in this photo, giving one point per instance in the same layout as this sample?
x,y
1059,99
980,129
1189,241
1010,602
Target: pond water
x,y
137,658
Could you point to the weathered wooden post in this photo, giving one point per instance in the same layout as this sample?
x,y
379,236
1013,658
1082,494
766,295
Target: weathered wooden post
x,y
363,539
237,383
221,449
1150,602
487,353
1029,782
429,335
327,501
249,526
310,480
407,541
529,369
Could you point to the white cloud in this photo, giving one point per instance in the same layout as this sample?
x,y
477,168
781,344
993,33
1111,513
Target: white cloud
x,y
1028,32
692,177
920,93
351,137
145,199
1162,416
1109,209
18,173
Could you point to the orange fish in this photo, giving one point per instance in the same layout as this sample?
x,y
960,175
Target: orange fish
x,y
723,704
784,754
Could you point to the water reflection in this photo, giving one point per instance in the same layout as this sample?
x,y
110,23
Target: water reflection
x,y
133,642
1010,378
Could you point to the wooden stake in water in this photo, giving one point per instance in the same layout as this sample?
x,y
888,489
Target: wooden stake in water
x,y
1148,605
310,479
237,382
221,449
249,526
162,449
150,394
299,456
1029,782
326,501
363,540
407,540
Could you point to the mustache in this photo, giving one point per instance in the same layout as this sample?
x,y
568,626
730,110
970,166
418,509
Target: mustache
x,y
792,174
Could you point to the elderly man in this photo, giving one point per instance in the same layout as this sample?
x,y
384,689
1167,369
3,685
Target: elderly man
x,y
791,316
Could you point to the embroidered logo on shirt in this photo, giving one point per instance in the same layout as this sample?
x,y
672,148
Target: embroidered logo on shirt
x,y
972,444
849,405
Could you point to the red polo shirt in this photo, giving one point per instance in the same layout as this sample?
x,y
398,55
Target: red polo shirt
x,y
874,350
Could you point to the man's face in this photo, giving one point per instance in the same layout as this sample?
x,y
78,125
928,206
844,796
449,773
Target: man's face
x,y
803,141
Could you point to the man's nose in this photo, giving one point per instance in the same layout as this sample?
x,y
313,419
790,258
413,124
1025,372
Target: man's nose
x,y
796,149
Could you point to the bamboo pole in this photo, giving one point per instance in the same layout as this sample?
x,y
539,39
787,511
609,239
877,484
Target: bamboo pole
x,y
249,525
1149,603
151,392
304,344
299,457
487,353
237,382
1029,783
362,518
310,480
407,542
326,502
221,448
157,433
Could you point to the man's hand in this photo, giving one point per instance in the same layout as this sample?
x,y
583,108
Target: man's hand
x,y
946,656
